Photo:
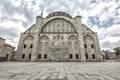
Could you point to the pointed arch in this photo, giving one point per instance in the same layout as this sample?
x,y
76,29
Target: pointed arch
x,y
29,37
88,39
72,37
44,37
28,42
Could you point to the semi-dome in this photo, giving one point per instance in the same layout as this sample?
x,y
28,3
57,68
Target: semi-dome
x,y
59,13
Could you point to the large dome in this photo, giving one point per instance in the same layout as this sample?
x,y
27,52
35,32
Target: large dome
x,y
59,13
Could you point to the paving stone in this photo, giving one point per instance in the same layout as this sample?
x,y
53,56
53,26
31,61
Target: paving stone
x,y
59,71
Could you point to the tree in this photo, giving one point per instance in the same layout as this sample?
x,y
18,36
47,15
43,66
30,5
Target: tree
x,y
117,51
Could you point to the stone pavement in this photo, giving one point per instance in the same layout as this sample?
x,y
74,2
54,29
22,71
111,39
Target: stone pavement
x,y
59,70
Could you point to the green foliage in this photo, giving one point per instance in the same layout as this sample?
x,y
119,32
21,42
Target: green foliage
x,y
117,51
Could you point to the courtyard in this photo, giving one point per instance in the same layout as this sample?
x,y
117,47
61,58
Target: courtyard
x,y
59,70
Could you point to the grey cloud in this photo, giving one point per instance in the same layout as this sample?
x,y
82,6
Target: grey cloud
x,y
109,45
67,6
9,32
8,10
106,34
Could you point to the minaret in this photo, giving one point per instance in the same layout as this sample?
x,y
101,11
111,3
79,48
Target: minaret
x,y
41,13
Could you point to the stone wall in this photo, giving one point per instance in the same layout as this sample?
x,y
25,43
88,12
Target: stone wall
x,y
6,51
40,39
110,55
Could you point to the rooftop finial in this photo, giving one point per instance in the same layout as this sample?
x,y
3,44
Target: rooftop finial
x,y
78,14
42,12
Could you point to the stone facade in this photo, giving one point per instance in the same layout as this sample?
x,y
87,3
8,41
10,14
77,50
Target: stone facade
x,y
59,37
109,55
6,51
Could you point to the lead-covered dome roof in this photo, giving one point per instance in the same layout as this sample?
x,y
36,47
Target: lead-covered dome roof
x,y
59,13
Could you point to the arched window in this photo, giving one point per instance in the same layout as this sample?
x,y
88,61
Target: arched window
x,y
86,55
44,37
39,56
28,41
62,38
71,56
54,38
29,56
85,46
89,42
45,56
93,56
7,56
77,56
23,56
58,37
31,46
25,46
92,46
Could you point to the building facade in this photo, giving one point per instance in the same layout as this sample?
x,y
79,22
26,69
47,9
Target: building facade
x,y
59,37
6,51
109,55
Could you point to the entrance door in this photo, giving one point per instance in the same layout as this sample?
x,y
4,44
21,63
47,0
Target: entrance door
x,y
59,53
58,57
7,55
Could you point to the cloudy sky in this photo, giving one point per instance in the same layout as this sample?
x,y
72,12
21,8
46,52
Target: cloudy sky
x,y
102,16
